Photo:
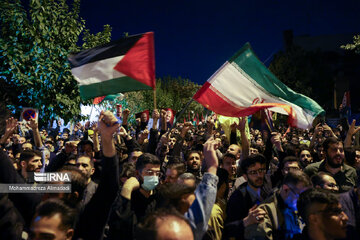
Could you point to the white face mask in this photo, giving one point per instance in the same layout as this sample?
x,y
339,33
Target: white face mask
x,y
150,182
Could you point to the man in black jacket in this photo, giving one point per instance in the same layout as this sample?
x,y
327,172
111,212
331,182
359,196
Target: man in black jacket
x,y
241,208
137,197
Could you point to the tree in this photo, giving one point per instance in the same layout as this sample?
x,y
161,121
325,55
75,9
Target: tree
x,y
353,46
305,72
171,93
35,42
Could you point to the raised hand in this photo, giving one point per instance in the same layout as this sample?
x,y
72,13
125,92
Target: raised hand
x,y
275,139
71,147
233,126
33,124
186,127
242,123
126,113
353,129
163,114
11,125
210,157
107,124
155,114
318,129
123,132
129,186
144,134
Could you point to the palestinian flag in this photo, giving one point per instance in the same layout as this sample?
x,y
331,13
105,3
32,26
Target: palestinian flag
x,y
243,86
110,97
98,100
121,66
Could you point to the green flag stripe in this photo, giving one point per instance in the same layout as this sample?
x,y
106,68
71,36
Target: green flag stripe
x,y
123,84
248,61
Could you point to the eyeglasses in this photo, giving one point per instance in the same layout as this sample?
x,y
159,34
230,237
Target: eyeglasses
x,y
152,173
305,155
336,211
333,211
255,172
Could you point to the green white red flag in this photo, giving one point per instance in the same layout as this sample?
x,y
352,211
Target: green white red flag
x,y
243,85
125,65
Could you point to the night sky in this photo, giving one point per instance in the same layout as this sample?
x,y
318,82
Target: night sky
x,y
194,38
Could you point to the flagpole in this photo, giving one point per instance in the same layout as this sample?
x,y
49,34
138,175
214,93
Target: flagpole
x,y
154,98
182,112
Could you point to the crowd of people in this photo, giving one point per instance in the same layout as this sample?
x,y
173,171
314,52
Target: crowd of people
x,y
181,181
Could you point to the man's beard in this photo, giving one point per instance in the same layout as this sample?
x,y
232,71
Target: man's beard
x,y
258,183
194,167
331,162
32,169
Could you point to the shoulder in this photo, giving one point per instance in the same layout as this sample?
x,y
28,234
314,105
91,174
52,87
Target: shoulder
x,y
349,169
269,205
239,193
313,167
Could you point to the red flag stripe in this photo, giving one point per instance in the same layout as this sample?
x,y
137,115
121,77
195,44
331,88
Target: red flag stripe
x,y
139,61
211,100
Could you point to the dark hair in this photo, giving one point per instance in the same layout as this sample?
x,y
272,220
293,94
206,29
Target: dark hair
x,y
304,147
180,167
54,206
289,159
127,170
91,161
146,158
229,155
174,159
85,142
328,141
147,229
314,196
350,154
170,194
136,149
290,150
251,160
223,177
173,135
253,145
71,157
26,155
188,153
296,177
78,184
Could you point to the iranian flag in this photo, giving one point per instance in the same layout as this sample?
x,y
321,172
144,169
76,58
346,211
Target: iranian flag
x,y
243,86
120,66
